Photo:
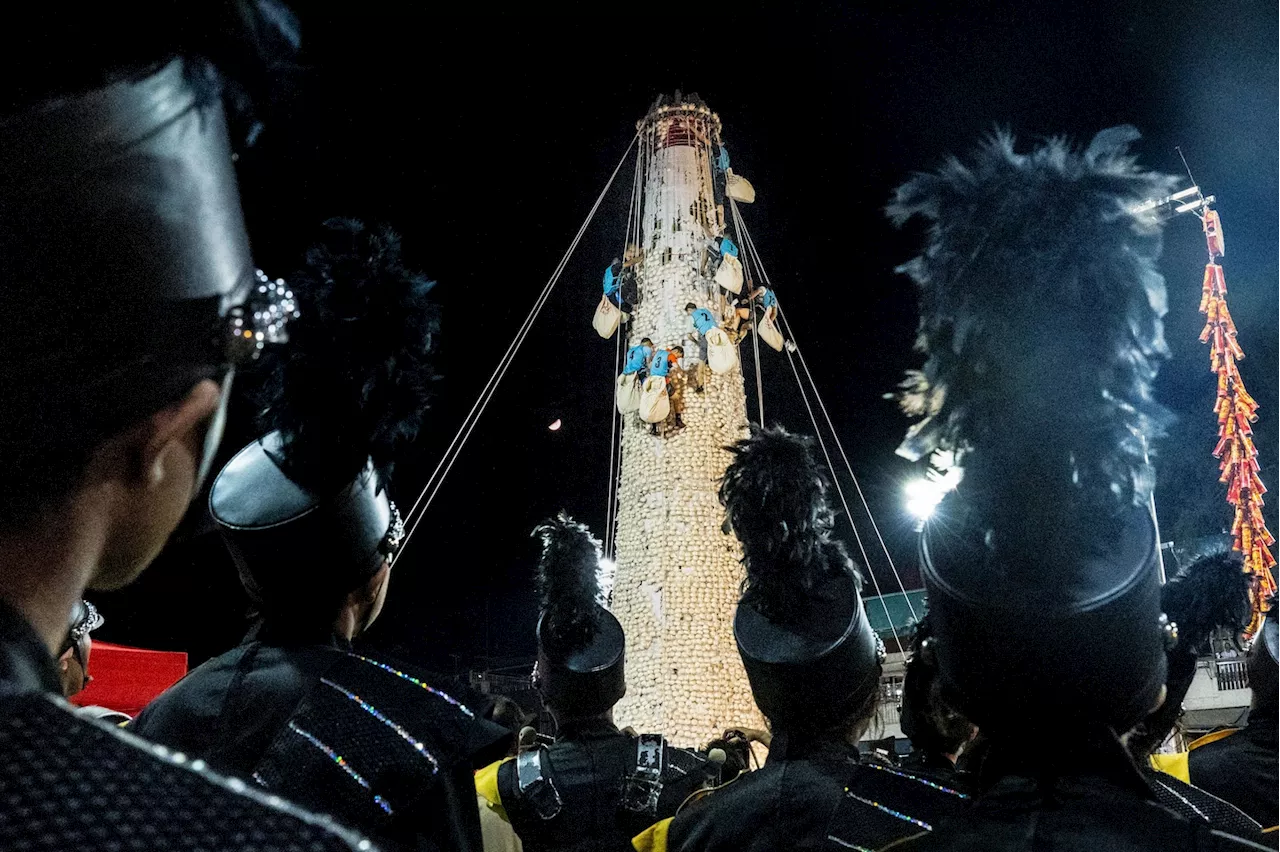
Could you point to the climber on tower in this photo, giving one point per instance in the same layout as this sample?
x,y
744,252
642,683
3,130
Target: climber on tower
x,y
738,320
676,381
638,358
719,169
595,787
703,322
660,364
613,281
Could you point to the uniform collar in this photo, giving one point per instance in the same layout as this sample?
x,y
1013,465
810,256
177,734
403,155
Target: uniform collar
x,y
25,663
586,729
1099,754
287,636
787,745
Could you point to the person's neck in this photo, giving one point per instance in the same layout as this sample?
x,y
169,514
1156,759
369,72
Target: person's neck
x,y
45,569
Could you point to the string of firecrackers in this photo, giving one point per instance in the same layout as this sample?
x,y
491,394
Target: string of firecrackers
x,y
1236,411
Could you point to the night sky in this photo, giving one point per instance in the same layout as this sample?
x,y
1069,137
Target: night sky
x,y
484,138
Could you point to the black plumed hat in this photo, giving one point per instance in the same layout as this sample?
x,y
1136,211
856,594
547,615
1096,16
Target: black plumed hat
x,y
305,507
581,647
1041,316
806,643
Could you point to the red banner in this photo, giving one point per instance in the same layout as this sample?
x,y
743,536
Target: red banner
x,y
126,679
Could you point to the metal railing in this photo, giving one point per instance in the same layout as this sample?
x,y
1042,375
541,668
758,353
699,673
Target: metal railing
x,y
1231,674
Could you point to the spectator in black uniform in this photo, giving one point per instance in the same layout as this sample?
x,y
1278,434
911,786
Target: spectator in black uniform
x,y
1210,594
125,263
814,665
595,786
306,515
938,732
1041,316
1240,766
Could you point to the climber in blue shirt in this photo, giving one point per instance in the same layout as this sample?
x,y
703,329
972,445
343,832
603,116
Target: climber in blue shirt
x,y
719,165
724,246
613,281
660,362
637,357
703,319
767,298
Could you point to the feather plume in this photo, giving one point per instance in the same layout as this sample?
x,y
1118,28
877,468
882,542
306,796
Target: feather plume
x,y
573,584
1041,316
776,497
1210,593
355,380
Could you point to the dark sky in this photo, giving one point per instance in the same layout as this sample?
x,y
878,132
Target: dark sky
x,y
484,138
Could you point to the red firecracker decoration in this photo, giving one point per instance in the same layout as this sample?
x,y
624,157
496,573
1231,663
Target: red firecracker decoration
x,y
1236,411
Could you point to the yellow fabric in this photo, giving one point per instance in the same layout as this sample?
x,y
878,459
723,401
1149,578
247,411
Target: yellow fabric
x,y
487,788
1172,764
653,838
496,834
1212,738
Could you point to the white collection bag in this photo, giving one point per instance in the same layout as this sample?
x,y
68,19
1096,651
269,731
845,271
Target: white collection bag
x,y
628,395
722,355
729,275
607,317
654,403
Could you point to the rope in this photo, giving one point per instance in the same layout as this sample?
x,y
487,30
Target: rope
x,y
482,401
866,507
755,328
617,366
751,247
835,479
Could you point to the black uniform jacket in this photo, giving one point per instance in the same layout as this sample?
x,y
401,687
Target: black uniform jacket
x,y
1242,768
1196,804
362,739
69,782
808,797
1099,801
593,789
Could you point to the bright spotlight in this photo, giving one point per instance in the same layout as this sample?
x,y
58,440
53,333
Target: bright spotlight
x,y
924,495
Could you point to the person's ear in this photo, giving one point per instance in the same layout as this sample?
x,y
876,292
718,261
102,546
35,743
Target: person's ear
x,y
151,472
64,661
173,433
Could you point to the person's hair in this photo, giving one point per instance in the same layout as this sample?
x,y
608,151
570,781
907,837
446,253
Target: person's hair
x,y
692,306
304,611
505,713
737,753
856,719
679,349
646,340
950,726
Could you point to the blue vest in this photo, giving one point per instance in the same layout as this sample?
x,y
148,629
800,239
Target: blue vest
x,y
637,357
658,364
611,283
703,320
